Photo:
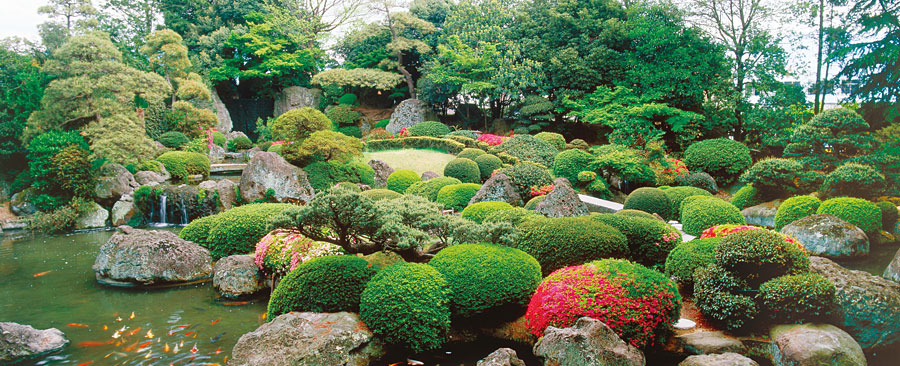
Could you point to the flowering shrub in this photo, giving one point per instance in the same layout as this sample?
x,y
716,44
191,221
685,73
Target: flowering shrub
x,y
542,190
639,304
491,139
281,251
721,231
403,132
677,168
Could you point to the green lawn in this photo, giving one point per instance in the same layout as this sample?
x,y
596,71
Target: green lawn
x,y
419,161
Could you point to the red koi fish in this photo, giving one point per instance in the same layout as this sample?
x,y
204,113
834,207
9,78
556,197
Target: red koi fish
x,y
144,345
77,325
215,321
133,332
95,344
85,363
235,303
42,273
189,333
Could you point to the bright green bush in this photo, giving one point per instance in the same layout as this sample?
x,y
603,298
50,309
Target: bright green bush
x,y
698,179
795,208
465,170
747,196
689,199
555,139
347,99
598,188
408,305
802,298
323,285
678,194
864,214
584,176
636,213
275,148
471,134
457,196
198,230
650,200
430,188
759,255
239,143
568,241
723,158
623,162
686,257
487,164
218,138
528,148
381,194
888,215
343,115
776,178
569,163
514,216
428,128
235,231
470,153
478,211
853,180
649,240
401,179
698,215
297,124
721,297
150,166
488,281
182,164
523,176
416,142
324,175
173,139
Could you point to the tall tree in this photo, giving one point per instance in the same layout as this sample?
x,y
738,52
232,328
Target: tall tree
x,y
399,25
71,13
319,17
21,87
129,22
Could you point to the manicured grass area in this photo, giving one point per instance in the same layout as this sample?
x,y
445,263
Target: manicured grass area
x,y
417,160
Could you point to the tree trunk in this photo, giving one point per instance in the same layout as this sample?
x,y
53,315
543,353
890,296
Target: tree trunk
x,y
818,85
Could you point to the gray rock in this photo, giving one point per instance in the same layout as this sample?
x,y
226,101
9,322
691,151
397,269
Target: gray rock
x,y
892,272
382,171
145,257
270,171
308,339
707,342
829,236
122,212
724,359
498,188
234,134
148,178
224,123
814,345
252,152
562,201
429,175
209,185
762,214
408,113
20,203
501,357
227,194
589,342
114,182
868,305
295,97
22,342
216,154
236,276
93,218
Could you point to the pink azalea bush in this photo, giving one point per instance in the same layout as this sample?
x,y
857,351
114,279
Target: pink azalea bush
x,y
492,139
281,251
721,231
540,191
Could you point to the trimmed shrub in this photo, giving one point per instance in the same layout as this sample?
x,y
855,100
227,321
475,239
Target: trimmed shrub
x,y
888,215
197,230
480,210
747,196
722,158
649,240
150,166
297,124
598,188
239,143
324,175
430,188
700,180
379,194
472,134
678,194
514,216
457,196
428,128
757,256
528,148
701,214
379,134
235,231
343,115
408,305
533,202
351,131
401,179
382,123
569,163
636,213
275,148
802,298
626,163
173,139
585,176
853,180
490,282
650,200
776,178
470,153
719,297
639,304
555,139
569,241
795,208
487,165
347,99
466,170
523,176
686,257
182,164
324,285
420,142
864,214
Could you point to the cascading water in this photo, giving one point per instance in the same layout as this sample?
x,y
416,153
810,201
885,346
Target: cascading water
x,y
184,213
163,218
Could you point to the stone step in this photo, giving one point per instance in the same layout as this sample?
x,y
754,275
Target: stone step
x,y
227,168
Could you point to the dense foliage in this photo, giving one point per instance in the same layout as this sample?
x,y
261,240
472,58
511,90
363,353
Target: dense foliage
x,y
686,257
466,170
649,239
701,214
324,285
722,158
568,241
795,208
650,200
235,231
864,214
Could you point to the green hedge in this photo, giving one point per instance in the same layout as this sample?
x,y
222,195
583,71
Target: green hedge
x,y
379,194
802,298
678,194
775,177
481,210
487,164
759,255
430,188
568,241
721,297
795,208
528,148
323,285
853,180
466,170
325,174
698,179
636,213
182,164
490,282
198,230
569,163
651,200
701,214
723,158
523,176
429,129
686,257
470,153
888,215
649,240
408,305
235,231
401,179
864,214
457,196
514,216
434,143
747,196
555,139
173,139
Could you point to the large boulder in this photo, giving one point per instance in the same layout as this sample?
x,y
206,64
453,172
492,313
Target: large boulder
x,y
502,357
589,342
408,113
123,211
216,154
762,214
382,171
814,345
227,193
235,134
20,203
429,175
869,306
114,182
93,217
829,236
723,359
892,272
295,97
148,178
270,171
562,201
708,342
132,256
308,339
236,276
498,188
22,342
224,124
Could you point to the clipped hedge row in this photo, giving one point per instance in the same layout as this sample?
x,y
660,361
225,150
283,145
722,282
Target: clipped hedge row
x,y
420,142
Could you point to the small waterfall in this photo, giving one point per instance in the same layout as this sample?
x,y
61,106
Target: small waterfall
x,y
184,213
163,217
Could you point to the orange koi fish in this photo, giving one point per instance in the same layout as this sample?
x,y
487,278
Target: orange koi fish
x,y
189,333
105,328
194,348
144,345
95,344
215,321
133,332
166,348
131,316
78,325
235,303
41,274
85,363
218,350
149,334
131,347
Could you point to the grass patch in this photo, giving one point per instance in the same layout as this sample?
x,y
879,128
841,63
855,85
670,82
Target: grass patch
x,y
417,160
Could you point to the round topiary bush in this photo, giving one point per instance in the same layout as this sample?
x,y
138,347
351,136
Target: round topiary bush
x,y
568,241
408,305
700,180
802,298
457,196
490,282
297,124
401,179
428,128
479,211
218,138
700,214
686,257
795,208
523,176
514,216
182,164
198,230
351,131
723,158
379,194
747,196
775,177
528,148
553,138
721,297
347,99
639,304
173,139
569,163
430,188
636,213
650,200
239,143
237,230
889,215
343,115
470,153
649,240
757,256
678,194
487,165
533,202
864,214
853,180
324,285
466,170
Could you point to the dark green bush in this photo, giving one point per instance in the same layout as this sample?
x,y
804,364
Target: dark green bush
x,y
239,143
853,180
623,162
699,180
182,164
408,305
720,297
489,281
701,214
759,255
722,158
382,123
324,175
430,188
43,171
528,148
831,138
864,214
523,176
479,211
401,179
569,163
472,134
747,196
649,240
381,194
173,139
351,131
470,153
678,194
323,285
555,139
802,298
347,99
650,200
568,241
418,142
487,164
343,115
776,178
428,128
686,257
235,231
795,208
465,170
598,188
514,216
457,196
888,215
